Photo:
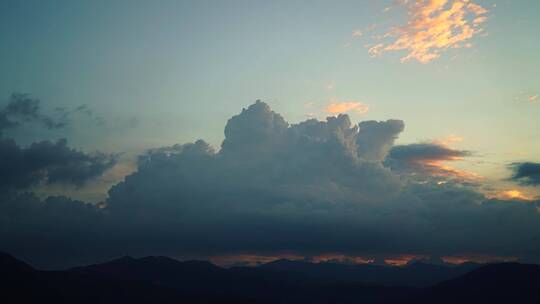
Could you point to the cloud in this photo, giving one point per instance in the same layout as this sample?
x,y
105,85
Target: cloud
x,y
429,159
357,33
532,98
419,152
54,231
48,162
337,107
84,110
433,26
375,138
22,109
526,173
450,139
46,166
315,188
514,194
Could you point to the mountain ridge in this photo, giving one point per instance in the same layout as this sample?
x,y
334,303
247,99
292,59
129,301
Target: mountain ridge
x,y
165,280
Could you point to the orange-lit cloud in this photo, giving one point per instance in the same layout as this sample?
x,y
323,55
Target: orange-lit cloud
x,y
342,259
438,168
457,259
431,158
433,26
404,259
251,259
254,259
477,259
528,97
397,262
336,107
513,195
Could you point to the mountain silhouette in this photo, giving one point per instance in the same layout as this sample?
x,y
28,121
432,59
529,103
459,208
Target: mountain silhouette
x,y
20,283
496,283
417,274
210,283
161,270
165,280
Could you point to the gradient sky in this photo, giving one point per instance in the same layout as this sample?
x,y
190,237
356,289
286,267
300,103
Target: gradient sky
x,y
136,75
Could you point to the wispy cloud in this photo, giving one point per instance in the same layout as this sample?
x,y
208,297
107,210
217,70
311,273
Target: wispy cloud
x,y
337,107
450,139
432,27
23,109
357,33
527,97
330,86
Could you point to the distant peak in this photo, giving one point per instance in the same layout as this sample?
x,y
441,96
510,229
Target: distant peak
x,y
119,261
125,258
7,261
157,259
281,261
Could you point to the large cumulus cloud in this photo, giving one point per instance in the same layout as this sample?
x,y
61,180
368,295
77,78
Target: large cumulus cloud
x,y
309,188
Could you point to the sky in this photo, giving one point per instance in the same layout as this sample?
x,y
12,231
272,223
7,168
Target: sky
x,y
454,85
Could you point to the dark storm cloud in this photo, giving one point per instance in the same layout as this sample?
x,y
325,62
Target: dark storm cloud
x,y
526,173
54,230
427,159
425,152
49,162
309,188
22,109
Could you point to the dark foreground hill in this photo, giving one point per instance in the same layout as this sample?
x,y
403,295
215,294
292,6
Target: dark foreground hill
x,y
20,283
417,274
165,280
496,283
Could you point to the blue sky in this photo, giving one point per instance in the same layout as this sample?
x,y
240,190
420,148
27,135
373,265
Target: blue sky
x,y
173,72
